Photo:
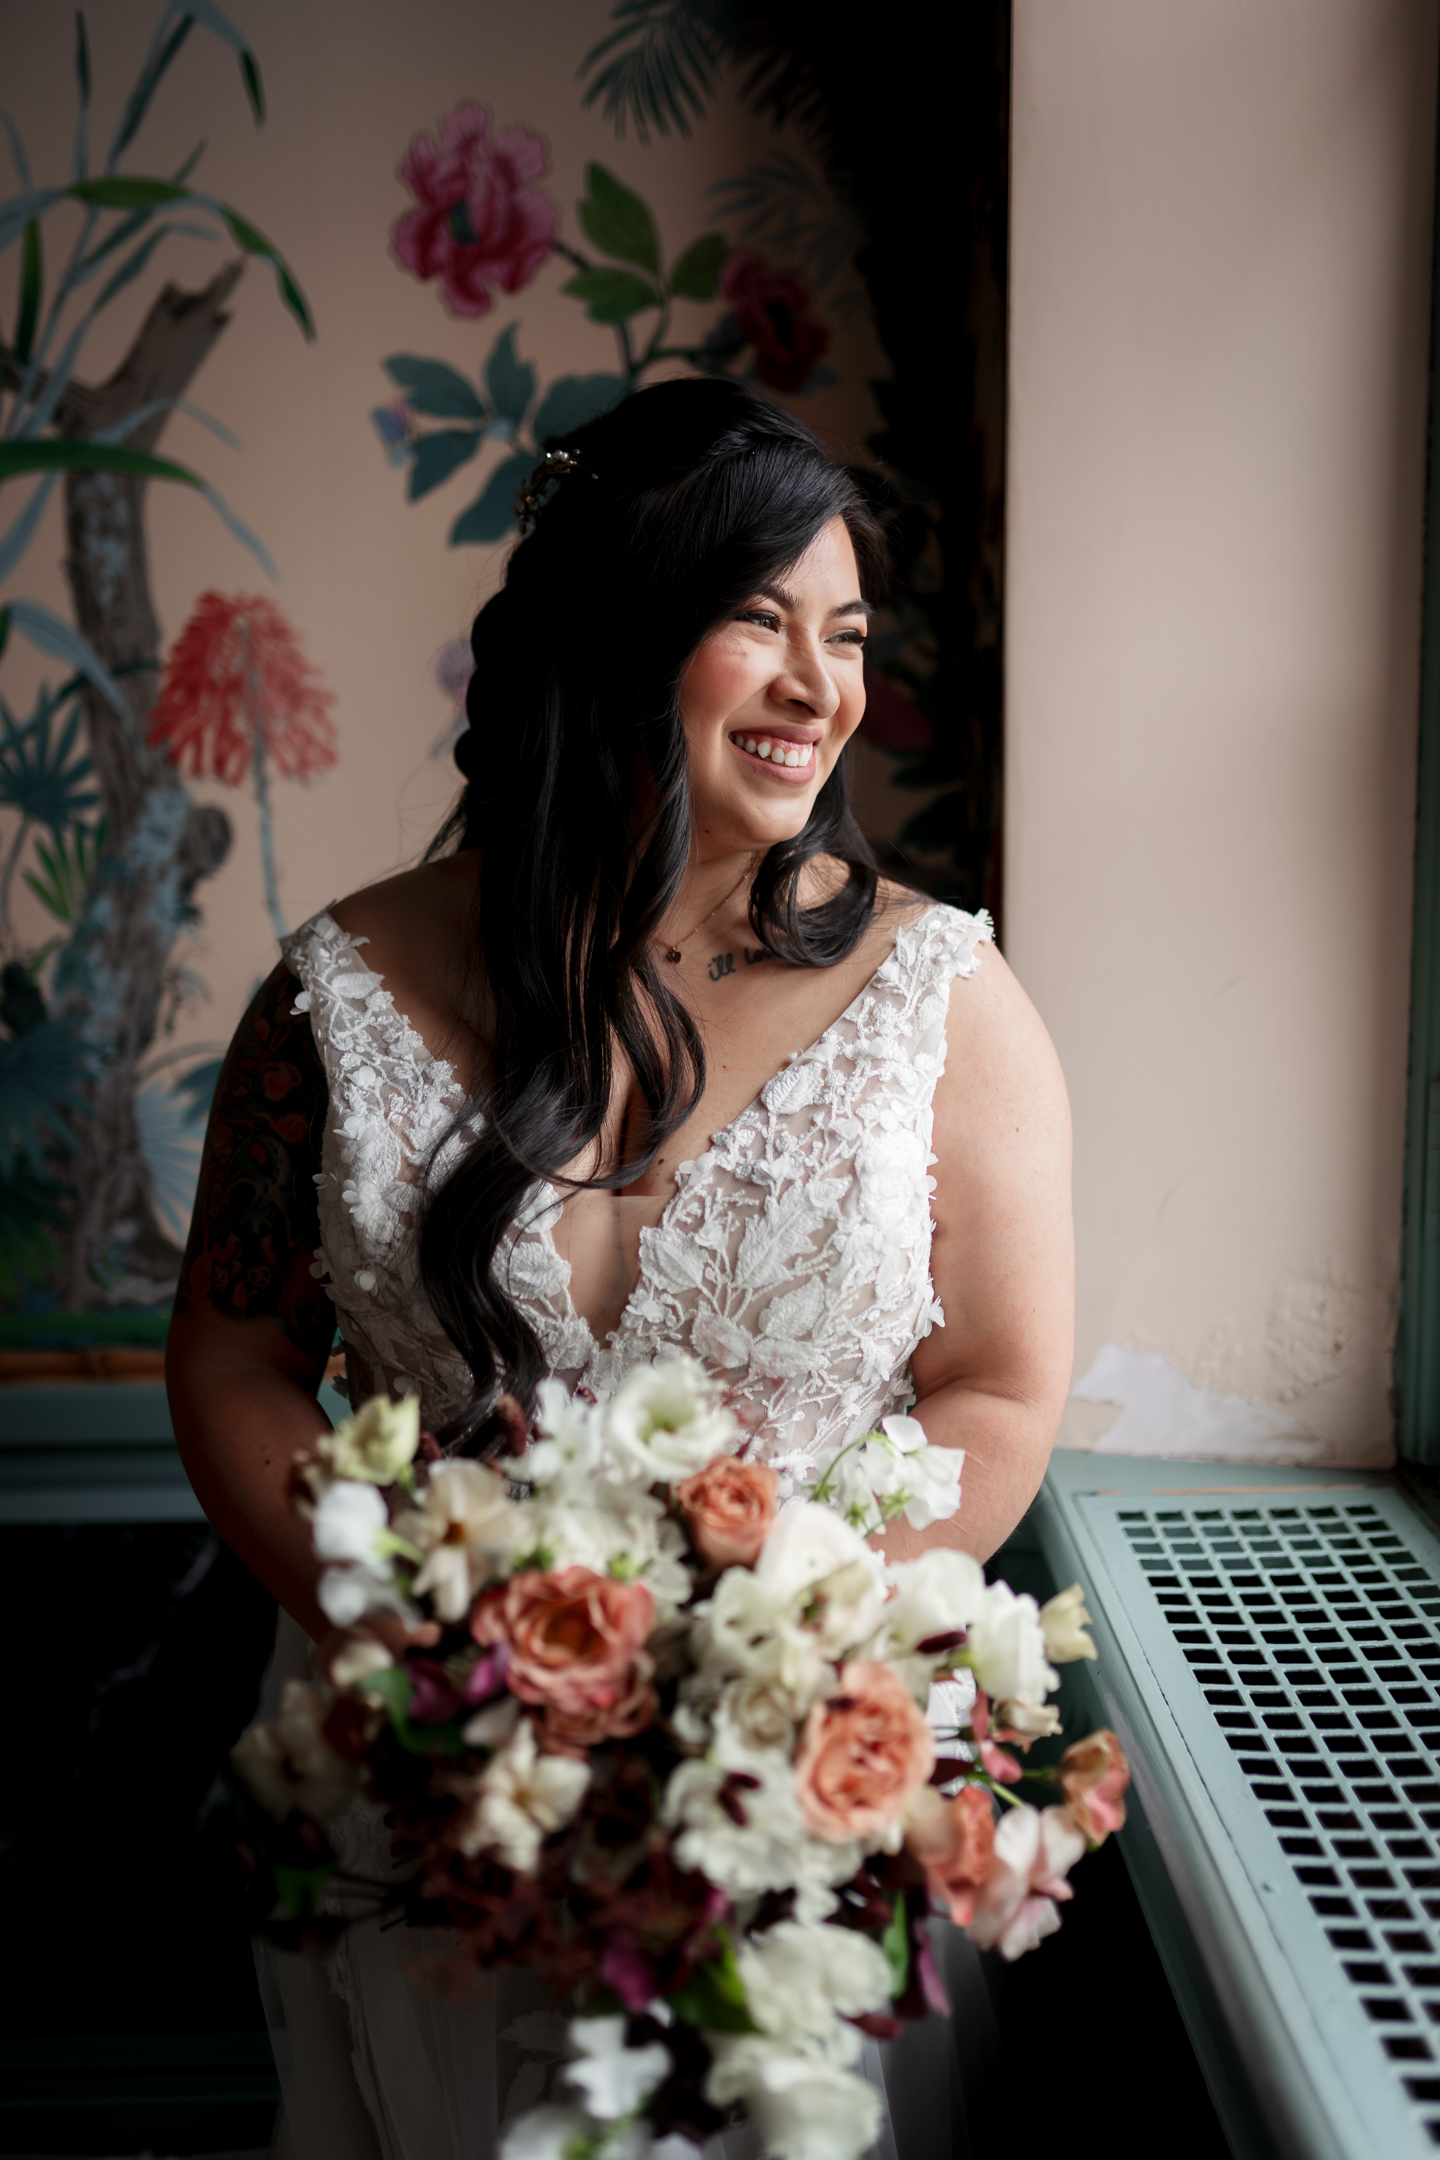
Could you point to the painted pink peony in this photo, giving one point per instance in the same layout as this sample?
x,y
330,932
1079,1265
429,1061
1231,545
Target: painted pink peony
x,y
863,1755
576,1642
772,307
481,221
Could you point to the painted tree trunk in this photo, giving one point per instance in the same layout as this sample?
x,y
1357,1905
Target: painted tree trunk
x,y
116,977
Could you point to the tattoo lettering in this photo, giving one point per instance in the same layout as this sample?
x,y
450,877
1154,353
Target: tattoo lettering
x,y
721,963
257,1222
752,959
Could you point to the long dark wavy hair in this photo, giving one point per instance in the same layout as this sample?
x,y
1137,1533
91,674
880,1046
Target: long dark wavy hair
x,y
686,498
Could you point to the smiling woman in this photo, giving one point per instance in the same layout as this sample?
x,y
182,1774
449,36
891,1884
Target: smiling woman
x,y
645,1060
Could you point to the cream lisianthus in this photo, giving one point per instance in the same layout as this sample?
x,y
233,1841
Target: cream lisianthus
x,y
820,1568
747,1631
469,1531
666,1422
569,1454
632,1537
1063,1619
377,1444
288,1763
518,1800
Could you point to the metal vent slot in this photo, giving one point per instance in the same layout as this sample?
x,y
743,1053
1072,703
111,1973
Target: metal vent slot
x,y
1313,1633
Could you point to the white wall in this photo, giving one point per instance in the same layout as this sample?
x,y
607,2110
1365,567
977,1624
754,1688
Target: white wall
x,y
1220,303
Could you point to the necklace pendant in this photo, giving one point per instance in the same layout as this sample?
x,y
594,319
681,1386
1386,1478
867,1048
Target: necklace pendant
x,y
674,953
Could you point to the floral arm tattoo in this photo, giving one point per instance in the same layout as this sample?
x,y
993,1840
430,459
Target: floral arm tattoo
x,y
257,1222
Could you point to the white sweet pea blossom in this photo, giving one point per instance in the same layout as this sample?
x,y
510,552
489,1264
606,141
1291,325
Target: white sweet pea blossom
x,y
570,1452
892,1472
377,1444
288,1763
469,1531
769,1847
1035,1849
938,1594
665,1422
747,1631
1064,1621
826,1573
519,1799
803,1983
351,1527
803,2108
929,1476
1005,1649
614,2080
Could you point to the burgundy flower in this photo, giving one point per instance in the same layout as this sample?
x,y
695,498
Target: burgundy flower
x,y
772,308
481,222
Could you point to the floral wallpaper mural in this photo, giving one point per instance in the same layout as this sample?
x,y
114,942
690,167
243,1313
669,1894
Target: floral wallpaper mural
x,y
99,1128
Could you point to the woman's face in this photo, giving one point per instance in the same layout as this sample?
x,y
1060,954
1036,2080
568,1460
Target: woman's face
x,y
772,697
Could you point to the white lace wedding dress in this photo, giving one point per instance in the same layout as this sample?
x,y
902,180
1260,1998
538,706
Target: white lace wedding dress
x,y
793,1260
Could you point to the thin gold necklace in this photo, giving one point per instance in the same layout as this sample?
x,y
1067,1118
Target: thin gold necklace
x,y
673,952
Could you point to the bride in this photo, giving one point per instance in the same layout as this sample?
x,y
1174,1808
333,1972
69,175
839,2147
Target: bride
x,y
641,1059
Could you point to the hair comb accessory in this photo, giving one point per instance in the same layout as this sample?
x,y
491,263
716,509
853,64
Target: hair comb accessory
x,y
556,465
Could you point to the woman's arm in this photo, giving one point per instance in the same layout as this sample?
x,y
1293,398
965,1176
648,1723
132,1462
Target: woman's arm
x,y
253,1327
994,1379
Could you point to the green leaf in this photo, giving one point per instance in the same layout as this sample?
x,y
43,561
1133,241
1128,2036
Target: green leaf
x,y
82,58
4,629
573,400
715,1997
122,191
137,104
433,387
301,1889
67,871
895,1943
664,69
31,280
612,296
436,456
29,1209
510,381
73,453
254,88
492,516
697,274
618,222
395,1688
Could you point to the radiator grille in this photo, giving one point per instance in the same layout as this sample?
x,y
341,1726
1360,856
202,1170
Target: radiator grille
x,y
1314,1633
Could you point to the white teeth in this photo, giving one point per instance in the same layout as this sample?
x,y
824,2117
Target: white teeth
x,y
750,743
762,749
792,757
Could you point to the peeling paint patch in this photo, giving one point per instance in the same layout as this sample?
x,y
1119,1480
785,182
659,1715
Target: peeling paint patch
x,y
1164,1413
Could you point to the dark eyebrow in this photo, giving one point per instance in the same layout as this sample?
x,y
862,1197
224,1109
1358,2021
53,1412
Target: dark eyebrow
x,y
788,600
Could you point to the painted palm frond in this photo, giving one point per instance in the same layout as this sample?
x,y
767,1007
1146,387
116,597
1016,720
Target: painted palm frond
x,y
67,871
42,771
41,1074
170,1143
799,218
658,68
30,1208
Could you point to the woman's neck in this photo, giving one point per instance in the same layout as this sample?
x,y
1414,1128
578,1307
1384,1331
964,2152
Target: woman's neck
x,y
715,894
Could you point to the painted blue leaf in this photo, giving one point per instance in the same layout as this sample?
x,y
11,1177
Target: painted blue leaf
x,y
436,456
573,400
510,381
14,543
170,1150
434,388
62,641
493,516
41,1073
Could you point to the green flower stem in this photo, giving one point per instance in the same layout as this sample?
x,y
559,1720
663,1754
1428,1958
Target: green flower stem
x,y
1001,1792
622,331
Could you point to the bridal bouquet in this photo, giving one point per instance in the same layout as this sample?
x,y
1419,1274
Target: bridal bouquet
x,y
664,1741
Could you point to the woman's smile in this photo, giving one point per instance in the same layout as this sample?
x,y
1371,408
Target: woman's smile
x,y
785,754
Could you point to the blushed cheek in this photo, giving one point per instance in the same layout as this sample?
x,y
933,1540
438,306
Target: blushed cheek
x,y
716,683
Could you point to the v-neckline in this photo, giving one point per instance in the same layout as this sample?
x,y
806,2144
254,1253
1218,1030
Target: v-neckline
x,y
550,1198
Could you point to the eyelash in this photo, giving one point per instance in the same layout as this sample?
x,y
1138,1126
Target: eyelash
x,y
760,615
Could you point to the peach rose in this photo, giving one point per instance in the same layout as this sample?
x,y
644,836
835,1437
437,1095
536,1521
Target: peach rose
x,y
575,1732
576,1639
953,1841
863,1755
729,1507
1093,1775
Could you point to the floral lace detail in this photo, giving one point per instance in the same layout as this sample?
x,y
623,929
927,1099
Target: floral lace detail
x,y
793,1258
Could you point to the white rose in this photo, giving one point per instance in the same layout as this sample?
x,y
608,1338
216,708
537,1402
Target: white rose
x,y
469,1529
519,1799
818,1565
377,1444
613,2079
758,1714
802,2109
801,1983
1064,1621
1005,1648
665,1422
288,1763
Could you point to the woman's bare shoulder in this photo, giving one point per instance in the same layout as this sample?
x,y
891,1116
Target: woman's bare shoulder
x,y
419,929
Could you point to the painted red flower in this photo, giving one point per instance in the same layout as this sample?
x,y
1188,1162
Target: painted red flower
x,y
237,684
481,222
772,308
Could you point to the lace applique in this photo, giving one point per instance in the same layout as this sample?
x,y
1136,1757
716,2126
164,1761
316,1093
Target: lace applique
x,y
793,1257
